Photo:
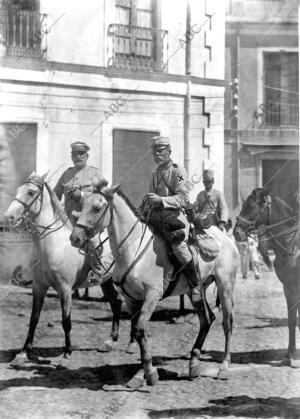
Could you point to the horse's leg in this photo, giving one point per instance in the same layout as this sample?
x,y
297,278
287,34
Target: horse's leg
x,y
133,345
206,318
86,294
115,302
65,295
38,296
225,294
292,306
140,333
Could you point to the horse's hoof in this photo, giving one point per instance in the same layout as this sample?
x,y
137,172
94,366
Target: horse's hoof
x,y
135,383
64,363
152,378
19,360
178,320
286,362
132,348
108,346
195,368
225,365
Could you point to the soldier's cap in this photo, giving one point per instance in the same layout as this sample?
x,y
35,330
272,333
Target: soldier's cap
x,y
80,146
208,174
159,142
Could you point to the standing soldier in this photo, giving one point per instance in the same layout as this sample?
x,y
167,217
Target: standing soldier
x,y
211,202
168,190
76,182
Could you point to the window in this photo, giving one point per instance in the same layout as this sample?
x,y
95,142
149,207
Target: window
x,y
133,162
17,158
281,88
136,40
22,28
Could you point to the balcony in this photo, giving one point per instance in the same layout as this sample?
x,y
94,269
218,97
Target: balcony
x,y
281,116
21,32
137,48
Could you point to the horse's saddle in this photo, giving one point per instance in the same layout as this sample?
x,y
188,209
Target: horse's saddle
x,y
205,244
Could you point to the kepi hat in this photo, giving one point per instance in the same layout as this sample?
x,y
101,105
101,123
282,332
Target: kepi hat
x,y
208,174
80,146
159,142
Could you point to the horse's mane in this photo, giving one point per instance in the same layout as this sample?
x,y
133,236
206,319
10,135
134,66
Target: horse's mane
x,y
279,206
283,211
57,207
135,210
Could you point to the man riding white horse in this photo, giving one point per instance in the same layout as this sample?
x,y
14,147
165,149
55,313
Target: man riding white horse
x,y
168,190
74,184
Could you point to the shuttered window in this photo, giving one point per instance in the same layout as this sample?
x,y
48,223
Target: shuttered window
x,y
133,162
17,158
281,88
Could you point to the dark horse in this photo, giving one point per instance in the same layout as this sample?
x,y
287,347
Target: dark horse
x,y
277,226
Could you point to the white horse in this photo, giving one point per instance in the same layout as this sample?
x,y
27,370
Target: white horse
x,y
60,264
141,279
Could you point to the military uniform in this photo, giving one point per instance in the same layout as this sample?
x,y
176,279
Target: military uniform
x,y
212,203
170,184
73,179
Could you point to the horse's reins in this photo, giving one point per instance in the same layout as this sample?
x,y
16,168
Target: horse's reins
x,y
273,236
38,236
136,258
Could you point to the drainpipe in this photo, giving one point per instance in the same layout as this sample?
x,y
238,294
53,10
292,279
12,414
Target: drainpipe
x,y
235,121
187,101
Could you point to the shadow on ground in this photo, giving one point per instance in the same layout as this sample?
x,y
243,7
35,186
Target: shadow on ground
x,y
271,322
92,378
241,406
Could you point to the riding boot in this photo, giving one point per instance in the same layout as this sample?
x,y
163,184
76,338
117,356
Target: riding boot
x,y
193,280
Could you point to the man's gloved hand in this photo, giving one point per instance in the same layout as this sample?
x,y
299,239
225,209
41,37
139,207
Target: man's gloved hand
x,y
76,195
153,199
221,226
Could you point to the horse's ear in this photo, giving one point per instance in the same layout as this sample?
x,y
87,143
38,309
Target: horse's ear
x,y
43,177
108,192
98,185
266,195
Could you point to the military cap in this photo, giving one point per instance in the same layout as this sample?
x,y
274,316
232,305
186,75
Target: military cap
x,y
80,146
208,174
159,142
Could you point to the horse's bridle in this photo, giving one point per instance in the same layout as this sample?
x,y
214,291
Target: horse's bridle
x,y
252,224
30,220
91,231
28,206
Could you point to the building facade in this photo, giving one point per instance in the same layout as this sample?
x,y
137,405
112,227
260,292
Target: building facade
x,y
262,120
112,73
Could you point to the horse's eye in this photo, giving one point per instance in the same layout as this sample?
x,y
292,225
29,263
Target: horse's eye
x,y
97,208
30,193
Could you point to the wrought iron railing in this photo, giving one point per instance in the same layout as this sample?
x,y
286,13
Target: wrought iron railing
x,y
22,33
137,48
278,114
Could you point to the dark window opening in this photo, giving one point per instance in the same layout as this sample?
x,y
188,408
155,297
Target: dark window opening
x,y
281,89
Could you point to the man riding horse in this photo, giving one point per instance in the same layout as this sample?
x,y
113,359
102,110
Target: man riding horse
x,y
74,184
168,190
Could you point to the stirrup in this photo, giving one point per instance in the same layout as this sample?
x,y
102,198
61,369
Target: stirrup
x,y
94,277
196,294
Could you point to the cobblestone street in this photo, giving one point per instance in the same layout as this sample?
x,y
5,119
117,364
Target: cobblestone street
x,y
256,386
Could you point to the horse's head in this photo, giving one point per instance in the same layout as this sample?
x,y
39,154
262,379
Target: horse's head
x,y
95,216
255,212
28,200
